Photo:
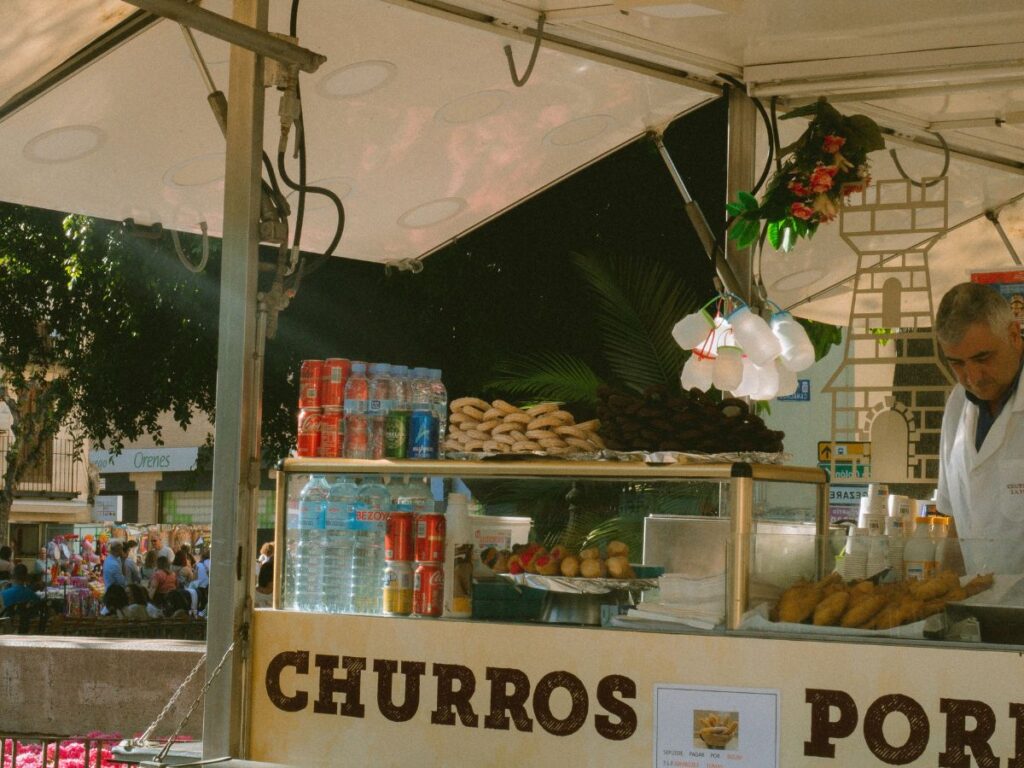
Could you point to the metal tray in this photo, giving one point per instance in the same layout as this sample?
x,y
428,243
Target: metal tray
x,y
999,610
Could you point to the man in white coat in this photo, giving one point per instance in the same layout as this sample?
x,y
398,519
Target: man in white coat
x,y
981,461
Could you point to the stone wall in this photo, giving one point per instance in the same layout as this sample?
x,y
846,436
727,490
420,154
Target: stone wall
x,y
69,686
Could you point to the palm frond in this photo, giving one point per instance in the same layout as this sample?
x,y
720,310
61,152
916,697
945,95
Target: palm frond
x,y
636,309
546,376
629,530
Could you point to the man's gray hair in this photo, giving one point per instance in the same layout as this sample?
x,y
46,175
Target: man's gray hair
x,y
966,304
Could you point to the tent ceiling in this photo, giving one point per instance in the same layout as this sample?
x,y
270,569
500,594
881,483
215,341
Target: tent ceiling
x,y
414,121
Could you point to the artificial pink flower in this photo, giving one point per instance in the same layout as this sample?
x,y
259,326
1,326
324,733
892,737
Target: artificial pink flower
x,y
833,143
798,188
801,211
822,178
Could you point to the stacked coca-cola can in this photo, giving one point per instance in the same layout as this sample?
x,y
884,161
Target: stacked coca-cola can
x,y
399,549
321,427
428,580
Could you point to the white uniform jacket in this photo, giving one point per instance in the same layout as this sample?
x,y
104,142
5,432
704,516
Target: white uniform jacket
x,y
984,489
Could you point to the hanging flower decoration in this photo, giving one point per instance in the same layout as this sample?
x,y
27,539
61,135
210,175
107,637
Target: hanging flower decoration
x,y
826,164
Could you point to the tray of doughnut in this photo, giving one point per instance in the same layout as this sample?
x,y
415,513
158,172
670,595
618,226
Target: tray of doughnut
x,y
477,427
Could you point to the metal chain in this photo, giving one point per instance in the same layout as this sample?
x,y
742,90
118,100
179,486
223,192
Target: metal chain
x,y
144,738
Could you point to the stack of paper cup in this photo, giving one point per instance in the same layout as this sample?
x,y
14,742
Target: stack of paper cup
x,y
855,562
894,534
872,515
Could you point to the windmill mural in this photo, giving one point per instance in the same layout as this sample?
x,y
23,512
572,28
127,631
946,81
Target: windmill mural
x,y
891,388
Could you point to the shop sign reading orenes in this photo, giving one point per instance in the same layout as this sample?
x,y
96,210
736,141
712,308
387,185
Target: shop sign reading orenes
x,y
145,460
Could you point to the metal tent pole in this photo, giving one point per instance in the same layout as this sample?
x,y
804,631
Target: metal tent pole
x,y
236,451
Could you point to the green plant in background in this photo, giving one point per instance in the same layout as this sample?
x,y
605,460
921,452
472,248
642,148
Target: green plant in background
x,y
636,304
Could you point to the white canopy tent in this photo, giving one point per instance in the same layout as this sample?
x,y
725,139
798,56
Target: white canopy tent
x,y
415,123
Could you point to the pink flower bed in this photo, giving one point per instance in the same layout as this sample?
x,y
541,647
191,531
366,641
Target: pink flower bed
x,y
72,754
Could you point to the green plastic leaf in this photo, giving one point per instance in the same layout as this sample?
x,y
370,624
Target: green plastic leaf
x,y
774,234
748,200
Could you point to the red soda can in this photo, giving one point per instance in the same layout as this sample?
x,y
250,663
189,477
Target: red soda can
x,y
399,541
308,442
332,433
430,538
428,590
332,384
398,589
309,383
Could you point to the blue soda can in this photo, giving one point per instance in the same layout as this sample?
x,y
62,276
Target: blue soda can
x,y
422,435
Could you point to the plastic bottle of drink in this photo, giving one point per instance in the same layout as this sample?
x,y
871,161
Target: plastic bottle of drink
x,y
337,552
357,395
368,524
396,429
439,405
458,558
307,562
378,407
416,493
422,443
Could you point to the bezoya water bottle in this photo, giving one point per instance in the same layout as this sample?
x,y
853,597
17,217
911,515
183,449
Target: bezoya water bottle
x,y
368,524
377,407
357,395
307,564
337,551
439,406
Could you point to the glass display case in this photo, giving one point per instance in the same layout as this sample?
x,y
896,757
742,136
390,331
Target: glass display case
x,y
721,534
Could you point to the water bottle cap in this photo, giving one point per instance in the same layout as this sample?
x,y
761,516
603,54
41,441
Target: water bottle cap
x,y
434,373
419,372
379,369
358,369
399,370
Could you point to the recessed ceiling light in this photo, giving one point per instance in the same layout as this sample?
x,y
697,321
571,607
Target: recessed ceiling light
x,y
356,79
431,213
205,169
339,185
798,280
579,130
472,106
62,145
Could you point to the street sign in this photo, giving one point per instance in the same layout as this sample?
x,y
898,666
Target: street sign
x,y
845,470
802,393
844,451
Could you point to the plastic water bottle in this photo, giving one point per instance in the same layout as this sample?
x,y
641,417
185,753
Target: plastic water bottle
x,y
308,564
416,493
439,405
357,395
337,552
378,406
368,524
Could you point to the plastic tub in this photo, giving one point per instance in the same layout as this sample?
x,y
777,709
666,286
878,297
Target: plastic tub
x,y
498,532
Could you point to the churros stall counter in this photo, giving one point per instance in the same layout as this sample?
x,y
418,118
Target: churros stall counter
x,y
711,682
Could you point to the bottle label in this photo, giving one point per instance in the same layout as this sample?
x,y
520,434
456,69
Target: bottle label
x,y
355,406
311,514
366,517
336,516
377,407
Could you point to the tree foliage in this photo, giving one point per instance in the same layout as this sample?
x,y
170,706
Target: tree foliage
x,y
99,332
